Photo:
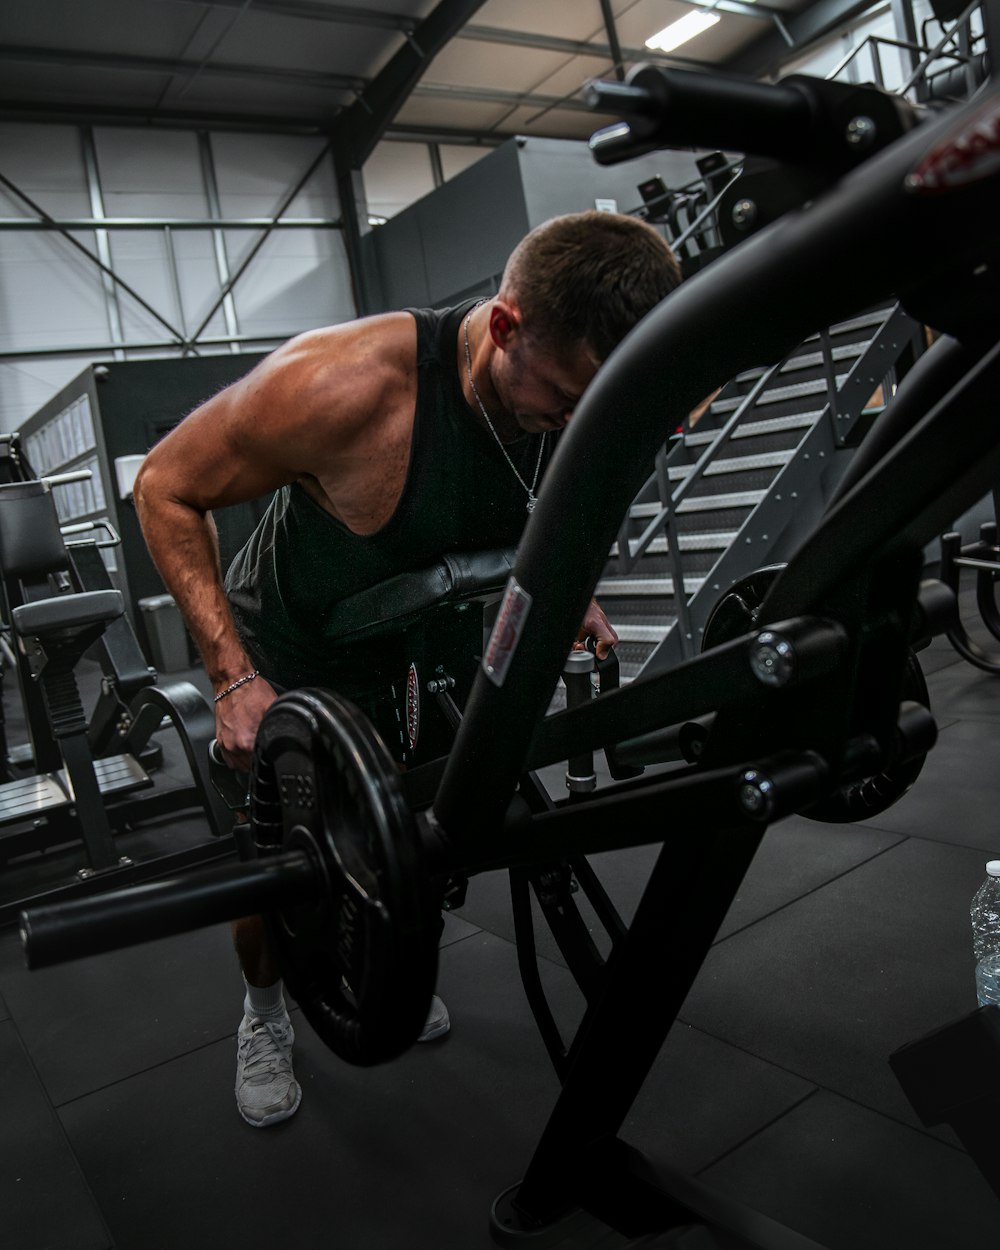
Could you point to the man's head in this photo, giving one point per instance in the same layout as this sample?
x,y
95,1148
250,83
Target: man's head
x,y
571,291
587,279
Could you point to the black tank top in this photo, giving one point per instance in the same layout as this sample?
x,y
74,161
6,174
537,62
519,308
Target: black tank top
x,y
460,495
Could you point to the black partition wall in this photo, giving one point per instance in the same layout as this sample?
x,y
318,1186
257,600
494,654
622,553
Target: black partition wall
x,y
103,421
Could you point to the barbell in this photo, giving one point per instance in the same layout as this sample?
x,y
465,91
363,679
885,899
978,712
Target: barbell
x,y
342,876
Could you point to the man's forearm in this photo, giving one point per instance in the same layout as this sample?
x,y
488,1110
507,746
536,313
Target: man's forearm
x,y
184,546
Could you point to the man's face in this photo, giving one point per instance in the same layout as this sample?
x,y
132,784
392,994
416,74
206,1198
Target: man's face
x,y
540,386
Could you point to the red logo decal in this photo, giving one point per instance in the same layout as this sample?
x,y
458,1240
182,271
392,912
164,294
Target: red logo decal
x,y
412,706
968,154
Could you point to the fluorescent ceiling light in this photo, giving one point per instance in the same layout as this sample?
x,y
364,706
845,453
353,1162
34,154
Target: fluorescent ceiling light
x,y
681,31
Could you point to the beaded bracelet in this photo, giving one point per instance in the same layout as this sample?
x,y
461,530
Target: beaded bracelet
x,y
240,681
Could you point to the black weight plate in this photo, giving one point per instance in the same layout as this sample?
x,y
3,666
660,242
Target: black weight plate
x,y
362,962
867,796
736,613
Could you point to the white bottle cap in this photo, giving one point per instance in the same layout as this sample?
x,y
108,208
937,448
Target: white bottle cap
x,y
993,867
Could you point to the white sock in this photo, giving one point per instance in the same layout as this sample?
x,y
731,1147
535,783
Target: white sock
x,y
264,1002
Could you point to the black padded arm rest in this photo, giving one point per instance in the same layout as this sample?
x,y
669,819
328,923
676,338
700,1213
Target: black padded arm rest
x,y
389,605
30,541
67,612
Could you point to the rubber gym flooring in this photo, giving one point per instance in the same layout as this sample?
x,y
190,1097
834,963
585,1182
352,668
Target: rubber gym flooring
x,y
118,1129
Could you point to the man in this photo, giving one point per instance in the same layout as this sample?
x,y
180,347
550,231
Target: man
x,y
389,441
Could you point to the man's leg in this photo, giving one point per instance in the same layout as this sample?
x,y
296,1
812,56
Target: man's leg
x,y
266,1089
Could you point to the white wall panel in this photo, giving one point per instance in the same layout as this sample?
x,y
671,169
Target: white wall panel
x,y
150,173
395,175
256,172
49,294
456,157
47,163
26,385
52,297
139,257
299,280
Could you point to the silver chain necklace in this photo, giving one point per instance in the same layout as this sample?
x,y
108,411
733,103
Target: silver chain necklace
x,y
532,497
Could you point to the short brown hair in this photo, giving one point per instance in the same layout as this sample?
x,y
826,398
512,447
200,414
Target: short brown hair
x,y
589,277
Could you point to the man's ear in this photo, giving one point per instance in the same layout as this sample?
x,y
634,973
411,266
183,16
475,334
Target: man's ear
x,y
504,322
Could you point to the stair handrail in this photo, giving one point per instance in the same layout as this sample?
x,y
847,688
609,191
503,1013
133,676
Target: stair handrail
x,y
695,613
636,547
931,53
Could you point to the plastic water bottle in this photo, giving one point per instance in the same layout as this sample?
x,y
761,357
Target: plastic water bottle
x,y
985,913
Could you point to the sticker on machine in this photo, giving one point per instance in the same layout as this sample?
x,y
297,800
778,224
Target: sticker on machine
x,y
506,632
969,153
412,706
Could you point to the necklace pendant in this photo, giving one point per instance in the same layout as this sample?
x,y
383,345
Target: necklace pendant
x,y
532,500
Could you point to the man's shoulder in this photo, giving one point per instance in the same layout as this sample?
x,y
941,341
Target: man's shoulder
x,y
363,361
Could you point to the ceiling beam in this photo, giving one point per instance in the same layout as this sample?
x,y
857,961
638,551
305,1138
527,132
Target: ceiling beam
x,y
366,120
163,119
312,11
766,55
66,58
494,95
611,30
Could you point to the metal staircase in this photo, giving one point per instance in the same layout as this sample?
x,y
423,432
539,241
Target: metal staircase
x,y
737,492
731,495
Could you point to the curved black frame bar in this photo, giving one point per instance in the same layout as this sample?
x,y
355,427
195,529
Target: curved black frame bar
x,y
853,246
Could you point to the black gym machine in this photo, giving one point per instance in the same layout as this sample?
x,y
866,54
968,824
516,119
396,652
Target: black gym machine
x,y
804,702
83,777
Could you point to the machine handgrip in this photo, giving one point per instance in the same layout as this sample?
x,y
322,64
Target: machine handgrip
x,y
685,108
155,909
618,97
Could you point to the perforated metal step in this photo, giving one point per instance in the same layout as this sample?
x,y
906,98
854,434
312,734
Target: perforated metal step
x,y
702,503
609,587
643,633
718,540
779,394
758,429
807,360
735,464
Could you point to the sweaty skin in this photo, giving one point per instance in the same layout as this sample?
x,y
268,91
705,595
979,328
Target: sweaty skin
x,y
332,409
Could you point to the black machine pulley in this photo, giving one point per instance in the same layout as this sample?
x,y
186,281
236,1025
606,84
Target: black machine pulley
x,y
341,876
738,611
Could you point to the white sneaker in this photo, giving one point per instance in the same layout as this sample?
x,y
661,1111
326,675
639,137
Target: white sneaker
x,y
266,1088
438,1021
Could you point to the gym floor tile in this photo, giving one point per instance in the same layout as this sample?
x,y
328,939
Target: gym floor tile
x,y
703,1098
855,1180
90,1023
409,1154
795,857
45,1203
963,691
456,929
938,656
831,985
956,798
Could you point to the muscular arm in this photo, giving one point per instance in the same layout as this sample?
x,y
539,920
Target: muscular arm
x,y
307,410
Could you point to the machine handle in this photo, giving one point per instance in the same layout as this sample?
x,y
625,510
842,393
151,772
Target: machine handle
x,y
85,527
685,108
